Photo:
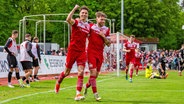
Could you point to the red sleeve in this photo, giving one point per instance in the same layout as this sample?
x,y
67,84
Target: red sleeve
x,y
10,44
108,32
76,23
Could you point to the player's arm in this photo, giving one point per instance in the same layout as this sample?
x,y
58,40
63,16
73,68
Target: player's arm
x,y
106,40
38,51
124,48
69,18
28,49
8,44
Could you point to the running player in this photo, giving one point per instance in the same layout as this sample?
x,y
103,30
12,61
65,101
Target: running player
x,y
11,49
129,47
26,58
76,49
138,58
36,52
98,38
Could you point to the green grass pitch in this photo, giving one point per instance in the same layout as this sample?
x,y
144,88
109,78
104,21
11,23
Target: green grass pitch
x,y
112,89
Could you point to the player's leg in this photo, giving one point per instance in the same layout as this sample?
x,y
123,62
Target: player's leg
x,y
9,78
27,74
27,67
99,64
79,83
63,74
131,69
17,72
127,68
36,68
70,60
10,63
18,77
81,61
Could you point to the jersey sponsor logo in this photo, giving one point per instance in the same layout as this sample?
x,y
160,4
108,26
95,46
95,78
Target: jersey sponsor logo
x,y
84,27
98,29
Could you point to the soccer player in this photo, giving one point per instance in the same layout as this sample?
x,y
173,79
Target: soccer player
x,y
98,38
26,57
182,60
162,65
36,52
11,49
129,47
76,49
138,58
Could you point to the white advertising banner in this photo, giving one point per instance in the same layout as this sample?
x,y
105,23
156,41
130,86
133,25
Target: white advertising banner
x,y
49,65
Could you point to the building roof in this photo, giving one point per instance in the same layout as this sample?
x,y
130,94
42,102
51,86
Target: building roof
x,y
148,40
140,40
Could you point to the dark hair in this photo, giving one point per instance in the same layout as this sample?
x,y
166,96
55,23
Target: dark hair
x,y
100,14
35,38
27,35
85,8
15,32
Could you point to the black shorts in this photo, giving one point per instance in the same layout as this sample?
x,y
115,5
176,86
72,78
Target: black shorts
x,y
35,63
26,65
12,61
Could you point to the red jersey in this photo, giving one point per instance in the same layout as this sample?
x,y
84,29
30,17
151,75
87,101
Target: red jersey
x,y
80,31
96,42
138,57
130,46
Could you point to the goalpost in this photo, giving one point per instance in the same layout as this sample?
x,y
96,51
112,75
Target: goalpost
x,y
22,24
22,31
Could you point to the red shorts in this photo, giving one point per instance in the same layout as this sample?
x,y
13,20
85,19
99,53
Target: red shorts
x,y
137,64
72,56
95,61
130,60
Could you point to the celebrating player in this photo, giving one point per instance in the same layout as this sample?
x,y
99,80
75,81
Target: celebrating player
x,y
98,37
129,47
76,49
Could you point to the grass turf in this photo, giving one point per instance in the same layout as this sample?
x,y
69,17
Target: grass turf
x,y
112,89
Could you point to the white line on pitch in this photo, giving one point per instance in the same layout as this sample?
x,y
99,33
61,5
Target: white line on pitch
x,y
28,95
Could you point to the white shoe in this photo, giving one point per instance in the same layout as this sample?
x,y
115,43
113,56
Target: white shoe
x,y
21,83
27,86
79,97
11,86
97,97
36,80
